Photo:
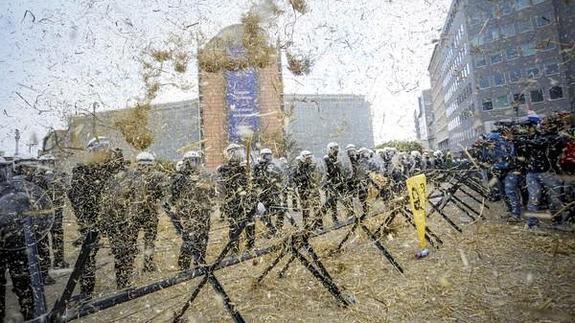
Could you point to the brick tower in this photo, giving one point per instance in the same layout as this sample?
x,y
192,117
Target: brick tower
x,y
239,92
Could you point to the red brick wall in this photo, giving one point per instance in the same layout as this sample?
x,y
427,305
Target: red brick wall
x,y
270,106
213,107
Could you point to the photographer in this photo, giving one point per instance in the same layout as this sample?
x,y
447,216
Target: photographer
x,y
500,153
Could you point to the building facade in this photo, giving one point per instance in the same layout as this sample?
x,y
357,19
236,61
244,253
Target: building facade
x,y
565,13
436,71
313,121
494,61
175,128
424,120
309,122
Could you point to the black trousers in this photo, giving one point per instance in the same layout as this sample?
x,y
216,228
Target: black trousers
x,y
57,233
275,210
43,246
88,278
16,263
332,196
194,238
362,195
147,220
312,215
124,247
235,221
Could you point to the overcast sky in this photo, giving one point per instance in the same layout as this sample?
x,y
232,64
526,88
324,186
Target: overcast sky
x,y
58,57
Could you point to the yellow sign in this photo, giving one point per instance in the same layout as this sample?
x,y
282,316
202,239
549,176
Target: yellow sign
x,y
418,200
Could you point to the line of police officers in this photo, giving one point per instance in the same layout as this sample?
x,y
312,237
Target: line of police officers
x,y
116,201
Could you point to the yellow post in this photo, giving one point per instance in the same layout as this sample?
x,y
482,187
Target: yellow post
x,y
418,200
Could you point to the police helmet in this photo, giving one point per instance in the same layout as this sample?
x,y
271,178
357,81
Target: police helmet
x,y
98,143
266,154
145,158
332,147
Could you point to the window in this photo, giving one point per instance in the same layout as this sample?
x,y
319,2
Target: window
x,y
480,61
556,93
475,19
528,49
512,53
502,101
476,41
521,4
536,96
515,75
487,104
551,68
524,25
533,72
519,98
505,8
498,79
483,82
507,30
544,19
496,57
496,33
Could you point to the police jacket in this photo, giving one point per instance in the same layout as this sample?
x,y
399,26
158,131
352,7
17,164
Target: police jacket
x,y
304,178
192,190
268,180
334,177
86,186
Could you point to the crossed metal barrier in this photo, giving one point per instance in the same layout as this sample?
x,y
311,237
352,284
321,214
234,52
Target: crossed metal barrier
x,y
296,245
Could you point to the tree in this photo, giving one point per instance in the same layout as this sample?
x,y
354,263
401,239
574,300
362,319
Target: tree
x,y
402,145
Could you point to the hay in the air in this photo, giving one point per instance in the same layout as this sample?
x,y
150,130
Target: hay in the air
x,y
160,55
258,53
298,65
255,41
299,5
134,127
181,62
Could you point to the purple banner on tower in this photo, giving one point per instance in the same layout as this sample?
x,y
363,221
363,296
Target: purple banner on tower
x,y
241,96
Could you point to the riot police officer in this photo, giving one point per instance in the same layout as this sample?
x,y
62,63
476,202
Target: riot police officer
x,y
306,181
352,180
56,187
416,165
335,181
148,191
269,185
238,199
362,170
28,168
86,187
17,198
120,204
192,197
